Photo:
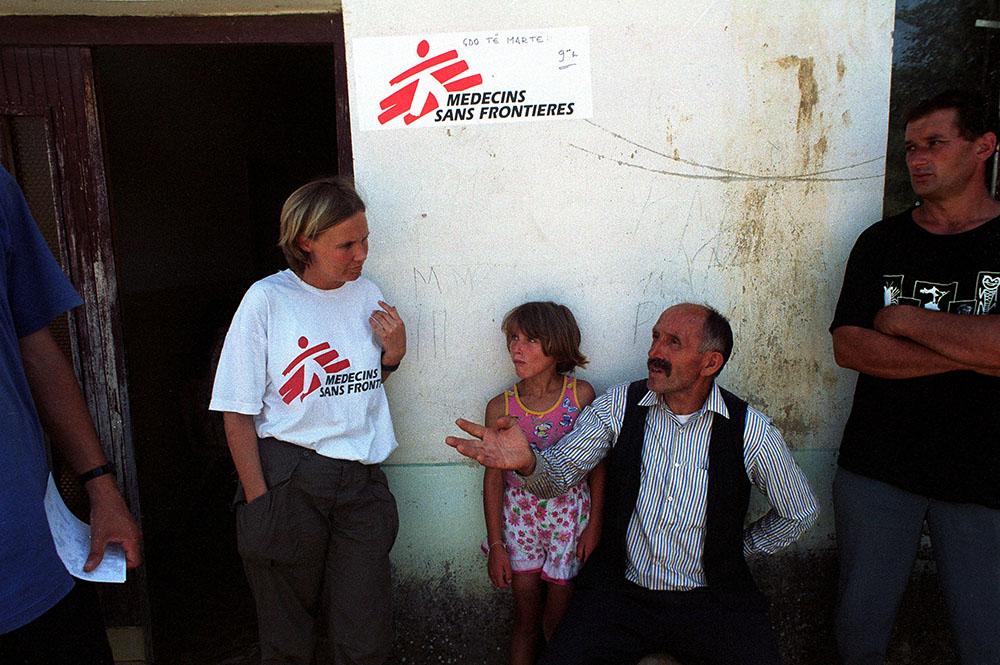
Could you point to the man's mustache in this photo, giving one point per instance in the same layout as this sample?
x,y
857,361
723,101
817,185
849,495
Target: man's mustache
x,y
662,365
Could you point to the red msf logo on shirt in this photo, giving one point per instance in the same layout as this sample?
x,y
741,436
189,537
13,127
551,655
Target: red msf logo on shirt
x,y
306,372
442,72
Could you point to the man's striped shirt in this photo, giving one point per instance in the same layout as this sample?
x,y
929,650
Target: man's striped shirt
x,y
666,533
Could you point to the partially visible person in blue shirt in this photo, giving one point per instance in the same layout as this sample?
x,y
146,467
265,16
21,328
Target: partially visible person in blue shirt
x,y
44,616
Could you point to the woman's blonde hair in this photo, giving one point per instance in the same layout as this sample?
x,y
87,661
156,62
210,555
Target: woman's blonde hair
x,y
311,209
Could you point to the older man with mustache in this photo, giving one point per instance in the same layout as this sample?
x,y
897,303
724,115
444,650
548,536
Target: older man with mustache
x,y
670,573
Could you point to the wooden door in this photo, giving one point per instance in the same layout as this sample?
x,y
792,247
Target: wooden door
x,y
50,137
50,140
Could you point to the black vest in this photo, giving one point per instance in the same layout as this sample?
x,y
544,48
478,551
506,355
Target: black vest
x,y
726,502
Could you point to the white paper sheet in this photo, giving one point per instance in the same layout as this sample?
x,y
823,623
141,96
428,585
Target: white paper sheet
x,y
72,538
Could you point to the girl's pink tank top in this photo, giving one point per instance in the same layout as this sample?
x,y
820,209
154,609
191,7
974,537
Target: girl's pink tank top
x,y
543,428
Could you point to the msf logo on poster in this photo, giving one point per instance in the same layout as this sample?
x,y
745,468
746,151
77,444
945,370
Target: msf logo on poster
x,y
421,89
308,371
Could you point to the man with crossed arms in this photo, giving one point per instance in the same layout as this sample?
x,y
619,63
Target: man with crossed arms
x,y
916,319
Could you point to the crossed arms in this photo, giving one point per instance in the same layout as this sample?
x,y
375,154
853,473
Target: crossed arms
x,y
908,342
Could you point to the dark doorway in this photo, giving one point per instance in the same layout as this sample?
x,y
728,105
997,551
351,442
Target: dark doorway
x,y
203,144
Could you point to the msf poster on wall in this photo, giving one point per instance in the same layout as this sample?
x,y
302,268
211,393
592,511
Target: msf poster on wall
x,y
472,78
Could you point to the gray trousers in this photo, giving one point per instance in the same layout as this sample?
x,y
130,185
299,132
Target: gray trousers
x,y
878,534
315,548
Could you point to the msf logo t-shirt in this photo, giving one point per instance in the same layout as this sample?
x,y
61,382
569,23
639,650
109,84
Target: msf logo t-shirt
x,y
321,367
305,363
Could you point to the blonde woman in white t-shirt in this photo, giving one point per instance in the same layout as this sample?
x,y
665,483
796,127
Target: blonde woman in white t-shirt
x,y
307,421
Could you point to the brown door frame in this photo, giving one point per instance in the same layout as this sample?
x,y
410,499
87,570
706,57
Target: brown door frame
x,y
88,245
56,83
89,31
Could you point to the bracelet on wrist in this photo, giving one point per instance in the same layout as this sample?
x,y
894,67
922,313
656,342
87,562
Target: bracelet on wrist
x,y
500,543
97,472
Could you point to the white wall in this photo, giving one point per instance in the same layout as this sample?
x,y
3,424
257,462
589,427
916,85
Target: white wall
x,y
735,151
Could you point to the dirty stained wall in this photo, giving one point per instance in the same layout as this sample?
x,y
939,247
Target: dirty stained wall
x,y
733,167
734,153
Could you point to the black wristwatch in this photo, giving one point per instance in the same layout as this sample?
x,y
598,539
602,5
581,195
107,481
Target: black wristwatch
x,y
96,472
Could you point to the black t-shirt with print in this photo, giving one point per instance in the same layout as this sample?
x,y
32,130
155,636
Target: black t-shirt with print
x,y
938,435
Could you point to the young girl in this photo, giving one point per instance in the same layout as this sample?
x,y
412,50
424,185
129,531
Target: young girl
x,y
537,545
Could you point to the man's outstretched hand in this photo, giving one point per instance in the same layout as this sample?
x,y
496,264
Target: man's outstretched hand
x,y
501,447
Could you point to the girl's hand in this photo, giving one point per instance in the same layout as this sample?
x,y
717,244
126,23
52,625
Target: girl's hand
x,y
390,331
588,540
499,567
